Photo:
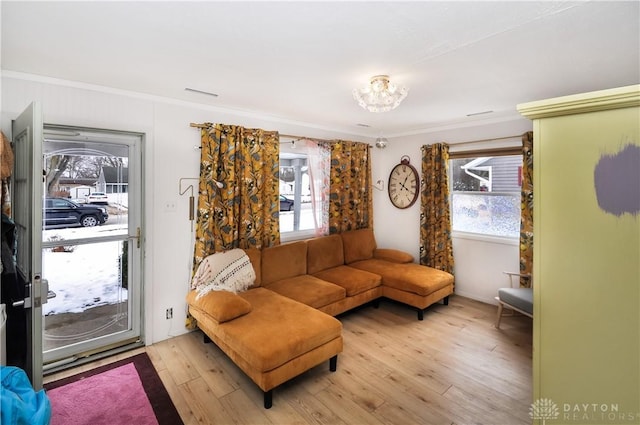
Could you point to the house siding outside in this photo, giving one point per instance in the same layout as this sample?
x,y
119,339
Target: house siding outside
x,y
504,173
113,180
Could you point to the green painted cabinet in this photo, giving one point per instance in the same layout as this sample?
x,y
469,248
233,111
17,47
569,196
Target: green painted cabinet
x,y
586,359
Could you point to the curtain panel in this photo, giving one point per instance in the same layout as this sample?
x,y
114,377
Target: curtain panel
x,y
526,209
244,212
350,196
436,249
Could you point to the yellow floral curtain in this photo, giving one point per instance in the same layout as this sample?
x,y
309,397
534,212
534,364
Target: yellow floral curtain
x,y
435,220
244,211
526,219
350,197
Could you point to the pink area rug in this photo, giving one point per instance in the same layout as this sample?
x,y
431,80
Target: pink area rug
x,y
125,392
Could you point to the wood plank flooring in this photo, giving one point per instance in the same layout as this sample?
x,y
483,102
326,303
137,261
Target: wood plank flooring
x,y
453,367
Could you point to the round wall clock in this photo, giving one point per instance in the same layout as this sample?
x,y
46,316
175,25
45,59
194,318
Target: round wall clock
x,y
404,184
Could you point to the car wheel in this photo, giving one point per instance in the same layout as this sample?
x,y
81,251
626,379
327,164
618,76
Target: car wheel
x,y
89,221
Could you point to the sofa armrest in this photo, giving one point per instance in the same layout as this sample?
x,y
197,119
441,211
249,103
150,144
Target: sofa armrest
x,y
393,255
222,306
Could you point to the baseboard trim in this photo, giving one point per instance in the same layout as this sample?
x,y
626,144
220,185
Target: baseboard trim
x,y
475,297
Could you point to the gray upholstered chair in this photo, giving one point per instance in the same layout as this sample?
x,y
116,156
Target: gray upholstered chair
x,y
515,298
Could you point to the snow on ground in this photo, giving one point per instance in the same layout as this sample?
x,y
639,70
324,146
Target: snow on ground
x,y
118,199
88,276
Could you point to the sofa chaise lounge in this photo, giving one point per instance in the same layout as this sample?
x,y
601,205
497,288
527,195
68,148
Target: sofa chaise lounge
x,y
283,325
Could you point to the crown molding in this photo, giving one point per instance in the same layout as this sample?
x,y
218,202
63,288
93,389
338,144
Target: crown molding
x,y
620,97
325,131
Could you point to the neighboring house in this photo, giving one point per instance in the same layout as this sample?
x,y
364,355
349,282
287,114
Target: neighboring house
x,y
496,173
113,180
76,188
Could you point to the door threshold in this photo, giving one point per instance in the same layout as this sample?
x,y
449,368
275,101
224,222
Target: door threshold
x,y
88,357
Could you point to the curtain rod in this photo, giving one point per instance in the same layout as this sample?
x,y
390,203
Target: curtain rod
x,y
293,136
487,140
290,136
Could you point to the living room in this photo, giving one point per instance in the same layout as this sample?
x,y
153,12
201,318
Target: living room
x,y
74,95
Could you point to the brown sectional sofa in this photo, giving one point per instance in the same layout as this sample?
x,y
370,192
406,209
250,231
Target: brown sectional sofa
x,y
284,325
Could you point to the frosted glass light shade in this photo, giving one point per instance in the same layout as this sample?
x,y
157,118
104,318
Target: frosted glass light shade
x,y
380,95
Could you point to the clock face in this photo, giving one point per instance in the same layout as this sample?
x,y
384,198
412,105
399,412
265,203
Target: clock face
x,y
403,185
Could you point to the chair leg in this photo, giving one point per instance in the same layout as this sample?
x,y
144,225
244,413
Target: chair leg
x,y
500,306
420,314
445,300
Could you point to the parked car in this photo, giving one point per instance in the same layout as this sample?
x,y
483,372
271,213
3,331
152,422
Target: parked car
x,y
97,198
285,203
60,211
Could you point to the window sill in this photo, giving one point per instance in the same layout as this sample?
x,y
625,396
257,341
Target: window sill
x,y
485,238
296,236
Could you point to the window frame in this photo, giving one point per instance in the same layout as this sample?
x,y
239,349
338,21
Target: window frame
x,y
476,153
299,149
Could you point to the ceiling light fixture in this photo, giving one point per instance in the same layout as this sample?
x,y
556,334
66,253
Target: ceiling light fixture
x,y
381,95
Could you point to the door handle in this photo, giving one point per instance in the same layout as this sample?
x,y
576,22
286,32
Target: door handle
x,y
44,291
36,300
26,302
137,236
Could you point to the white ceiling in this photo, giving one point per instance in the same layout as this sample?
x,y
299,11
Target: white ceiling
x,y
299,61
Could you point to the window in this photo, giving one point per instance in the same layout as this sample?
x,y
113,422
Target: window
x,y
485,194
304,170
295,195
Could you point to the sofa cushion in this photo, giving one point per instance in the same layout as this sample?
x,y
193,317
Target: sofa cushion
x,y
323,253
284,261
358,245
354,281
308,290
521,298
393,255
222,306
410,277
273,334
255,256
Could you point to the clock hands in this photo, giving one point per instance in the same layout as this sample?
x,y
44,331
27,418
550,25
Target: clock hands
x,y
403,186
405,180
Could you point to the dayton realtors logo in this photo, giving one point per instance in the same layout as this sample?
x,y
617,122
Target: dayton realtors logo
x,y
545,408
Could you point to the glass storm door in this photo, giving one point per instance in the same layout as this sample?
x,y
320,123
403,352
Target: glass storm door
x,y
91,245
24,346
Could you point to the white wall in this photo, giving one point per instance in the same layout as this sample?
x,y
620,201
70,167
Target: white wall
x,y
171,153
480,263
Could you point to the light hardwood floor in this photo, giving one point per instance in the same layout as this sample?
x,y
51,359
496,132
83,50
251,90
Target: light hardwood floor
x,y
452,368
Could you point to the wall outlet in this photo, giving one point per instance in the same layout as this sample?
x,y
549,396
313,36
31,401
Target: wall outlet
x,y
170,206
169,313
